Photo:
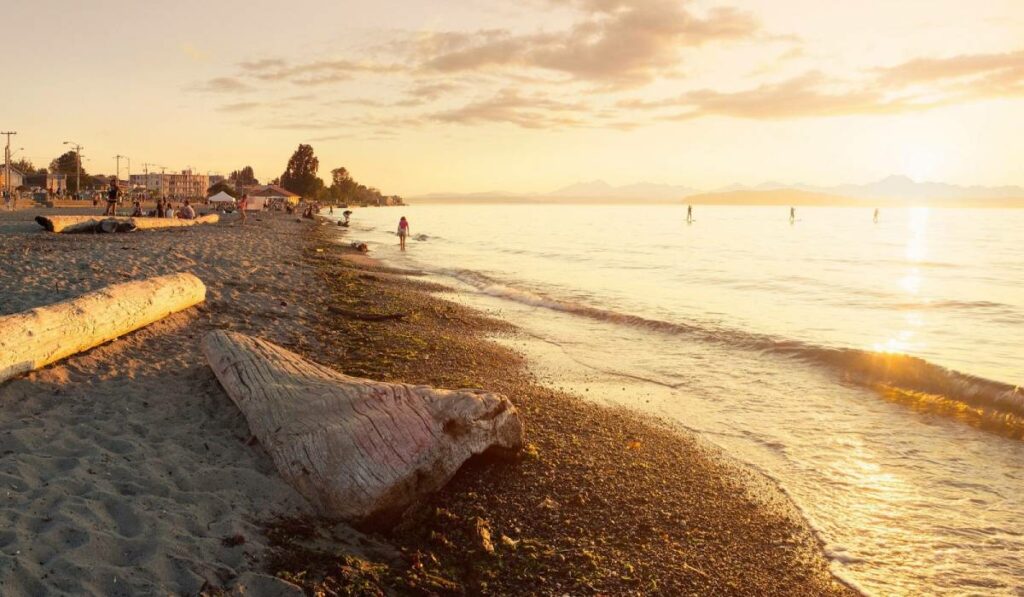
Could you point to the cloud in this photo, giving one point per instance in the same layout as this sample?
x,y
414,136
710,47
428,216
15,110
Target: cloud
x,y
930,70
262,64
508,106
239,107
317,72
915,85
810,95
223,85
618,42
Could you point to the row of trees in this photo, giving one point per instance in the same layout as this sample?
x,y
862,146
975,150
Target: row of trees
x,y
300,176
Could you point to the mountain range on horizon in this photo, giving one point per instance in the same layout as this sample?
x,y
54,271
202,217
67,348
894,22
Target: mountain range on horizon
x,y
890,188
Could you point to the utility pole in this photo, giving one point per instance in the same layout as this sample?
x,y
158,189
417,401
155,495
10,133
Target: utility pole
x,y
117,176
78,164
145,169
7,168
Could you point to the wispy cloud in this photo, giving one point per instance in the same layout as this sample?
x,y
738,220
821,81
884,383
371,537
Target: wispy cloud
x,y
508,106
239,107
223,85
318,72
1005,67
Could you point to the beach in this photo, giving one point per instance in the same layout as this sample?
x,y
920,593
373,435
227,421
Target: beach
x,y
129,471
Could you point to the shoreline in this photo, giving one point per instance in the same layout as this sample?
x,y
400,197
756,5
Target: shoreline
x,y
622,438
133,472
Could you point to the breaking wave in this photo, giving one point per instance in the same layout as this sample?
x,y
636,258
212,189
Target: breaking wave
x,y
883,371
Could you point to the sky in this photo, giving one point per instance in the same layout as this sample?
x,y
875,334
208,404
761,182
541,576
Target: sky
x,y
527,96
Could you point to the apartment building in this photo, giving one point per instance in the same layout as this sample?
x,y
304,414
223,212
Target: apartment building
x,y
184,185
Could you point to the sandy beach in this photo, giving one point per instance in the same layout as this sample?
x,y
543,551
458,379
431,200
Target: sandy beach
x,y
127,470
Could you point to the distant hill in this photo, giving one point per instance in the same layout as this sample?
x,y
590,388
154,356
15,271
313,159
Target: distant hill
x,y
599,189
783,196
889,191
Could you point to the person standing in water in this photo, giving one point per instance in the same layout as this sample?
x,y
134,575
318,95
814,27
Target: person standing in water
x,y
403,231
876,216
792,215
689,214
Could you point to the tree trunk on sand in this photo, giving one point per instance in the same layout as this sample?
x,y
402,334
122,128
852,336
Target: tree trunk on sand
x,y
73,224
357,449
36,338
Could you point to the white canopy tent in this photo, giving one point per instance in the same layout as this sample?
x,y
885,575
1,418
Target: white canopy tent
x,y
221,197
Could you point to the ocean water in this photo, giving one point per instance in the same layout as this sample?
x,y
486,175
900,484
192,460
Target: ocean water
x,y
870,368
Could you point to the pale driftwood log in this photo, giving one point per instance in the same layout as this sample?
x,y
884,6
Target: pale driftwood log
x,y
36,338
77,224
358,450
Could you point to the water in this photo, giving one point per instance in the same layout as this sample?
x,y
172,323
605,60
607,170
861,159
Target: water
x,y
869,368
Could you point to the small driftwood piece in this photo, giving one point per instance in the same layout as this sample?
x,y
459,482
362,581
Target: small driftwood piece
x,y
357,449
79,224
36,338
358,315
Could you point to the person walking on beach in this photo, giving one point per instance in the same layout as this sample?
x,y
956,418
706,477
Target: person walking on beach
x,y
243,205
403,231
112,195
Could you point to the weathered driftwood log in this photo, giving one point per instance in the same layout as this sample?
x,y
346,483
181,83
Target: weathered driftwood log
x,y
357,449
38,337
73,224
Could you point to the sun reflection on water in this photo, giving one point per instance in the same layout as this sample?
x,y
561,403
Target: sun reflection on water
x,y
911,282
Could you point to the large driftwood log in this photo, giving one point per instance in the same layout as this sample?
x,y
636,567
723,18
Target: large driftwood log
x,y
73,224
43,335
357,449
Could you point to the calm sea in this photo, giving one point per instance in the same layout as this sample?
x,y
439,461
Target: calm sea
x,y
869,368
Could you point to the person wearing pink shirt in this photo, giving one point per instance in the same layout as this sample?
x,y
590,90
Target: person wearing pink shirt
x,y
403,231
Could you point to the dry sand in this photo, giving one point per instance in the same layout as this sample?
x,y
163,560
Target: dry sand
x,y
123,469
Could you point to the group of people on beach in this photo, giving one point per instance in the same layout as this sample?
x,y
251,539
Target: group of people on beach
x,y
164,207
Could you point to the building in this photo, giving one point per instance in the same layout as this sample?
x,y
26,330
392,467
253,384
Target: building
x,y
17,178
184,185
273,193
56,184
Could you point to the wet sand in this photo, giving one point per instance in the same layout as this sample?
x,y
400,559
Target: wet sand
x,y
127,470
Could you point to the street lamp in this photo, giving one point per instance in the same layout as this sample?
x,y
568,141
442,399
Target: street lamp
x,y
78,164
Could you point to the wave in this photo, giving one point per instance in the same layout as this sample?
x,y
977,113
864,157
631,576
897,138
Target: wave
x,y
880,370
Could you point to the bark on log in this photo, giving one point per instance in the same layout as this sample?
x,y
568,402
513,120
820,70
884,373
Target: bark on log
x,y
77,224
358,450
36,338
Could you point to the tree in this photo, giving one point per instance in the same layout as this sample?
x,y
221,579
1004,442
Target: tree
x,y
24,166
300,175
219,186
68,164
244,177
342,184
